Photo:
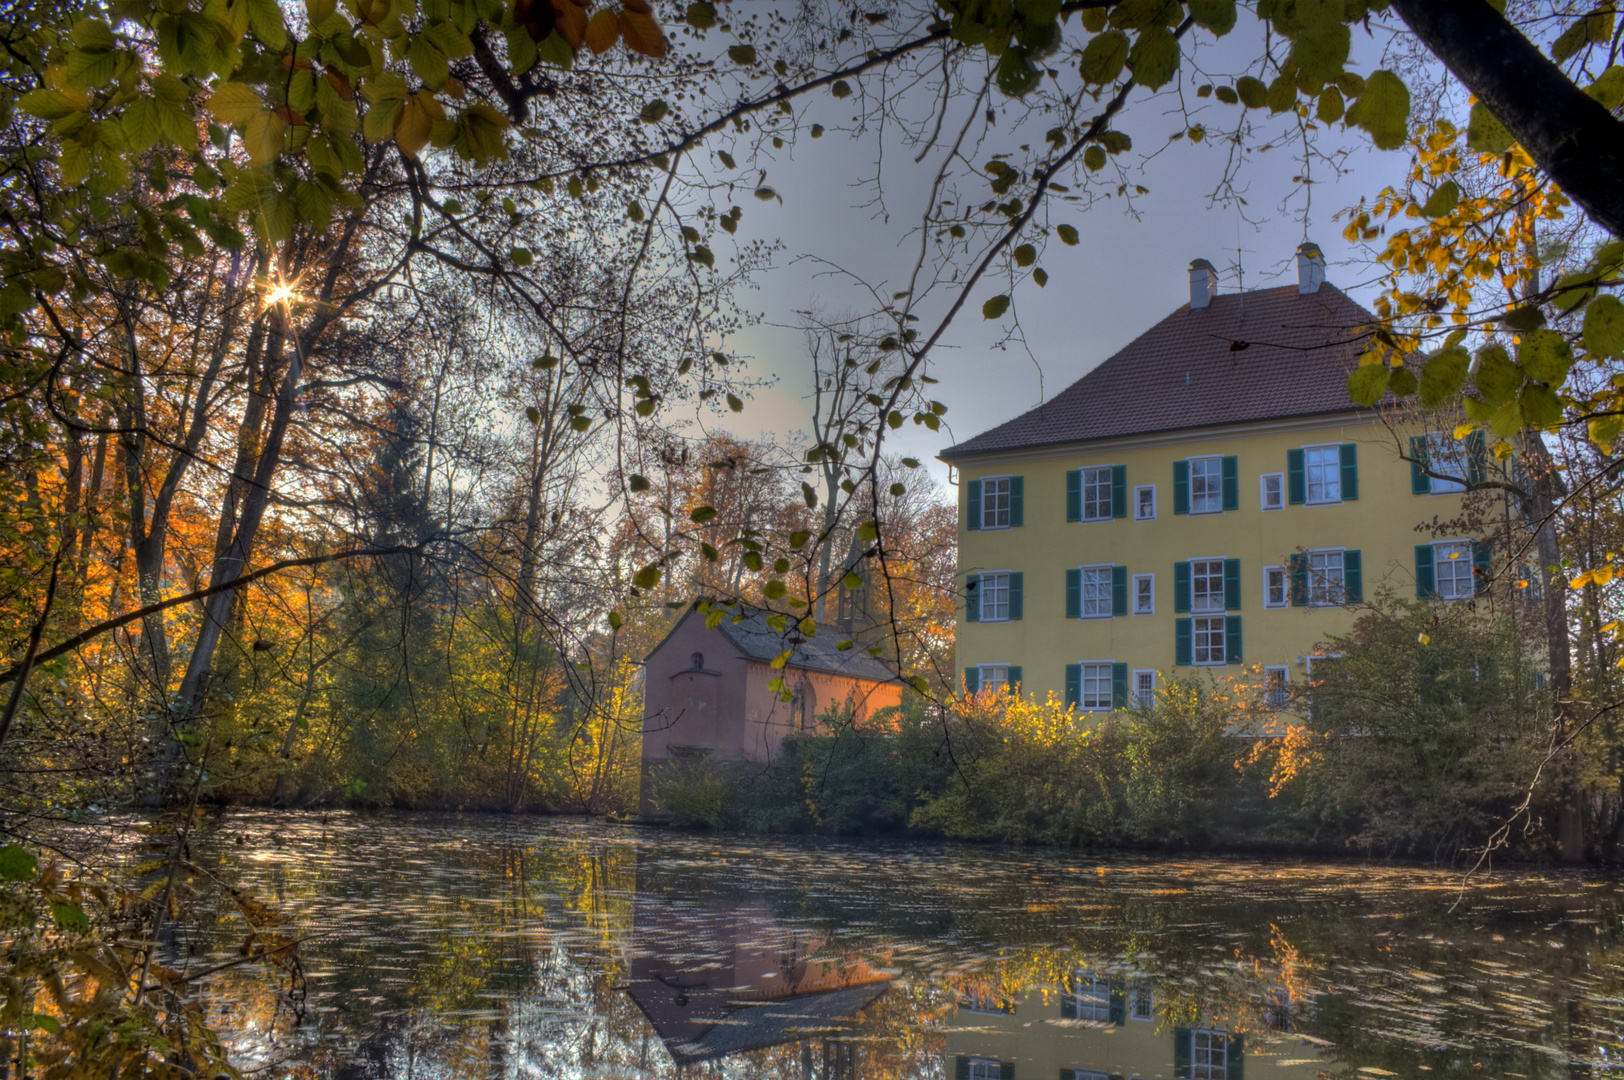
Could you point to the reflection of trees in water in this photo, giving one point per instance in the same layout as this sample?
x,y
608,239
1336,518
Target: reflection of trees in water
x,y
497,950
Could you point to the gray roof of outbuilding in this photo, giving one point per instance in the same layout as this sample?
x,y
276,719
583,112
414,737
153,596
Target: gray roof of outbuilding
x,y
758,641
1185,372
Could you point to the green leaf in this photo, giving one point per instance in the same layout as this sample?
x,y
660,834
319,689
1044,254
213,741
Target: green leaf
x,y
1497,377
1026,255
1067,234
1282,94
554,50
1383,110
734,403
1403,382
235,103
703,515
798,538
1442,201
1094,158
521,256
1604,327
1545,356
1041,276
841,89
1330,107
1322,52
1367,384
1104,57
1442,376
142,123
1540,406
852,581
1016,77
809,496
1217,16
773,590
647,578
701,15
995,307
1609,89
1227,95
1154,57
1523,319
654,112
17,864
615,621
742,54
70,917
1485,133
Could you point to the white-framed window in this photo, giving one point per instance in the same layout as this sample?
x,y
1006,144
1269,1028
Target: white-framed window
x,y
1445,454
1209,639
985,1069
995,502
1276,687
1206,485
1096,493
1144,502
1141,1000
1096,592
1094,686
994,677
1452,570
1093,993
1276,587
994,589
1209,1054
1144,688
1325,578
1322,470
1271,491
1144,594
986,1004
1206,584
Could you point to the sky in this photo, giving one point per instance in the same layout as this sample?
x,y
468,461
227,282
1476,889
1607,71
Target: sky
x,y
1129,269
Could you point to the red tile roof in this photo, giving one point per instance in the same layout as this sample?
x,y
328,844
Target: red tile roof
x,y
1186,372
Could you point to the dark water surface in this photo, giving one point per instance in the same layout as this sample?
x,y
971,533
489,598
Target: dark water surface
x,y
474,947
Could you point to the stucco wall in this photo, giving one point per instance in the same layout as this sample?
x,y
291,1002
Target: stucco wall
x,y
1381,523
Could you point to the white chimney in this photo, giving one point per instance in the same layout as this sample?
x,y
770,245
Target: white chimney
x,y
1203,284
1310,268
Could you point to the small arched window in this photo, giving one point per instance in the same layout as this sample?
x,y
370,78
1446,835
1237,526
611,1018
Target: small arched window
x,y
696,661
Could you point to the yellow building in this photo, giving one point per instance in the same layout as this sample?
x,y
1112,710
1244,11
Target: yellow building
x,y
1206,497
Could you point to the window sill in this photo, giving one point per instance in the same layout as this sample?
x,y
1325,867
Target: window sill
x,y
1152,612
1092,520
1151,518
1270,509
984,619
1094,618
1206,513
1325,502
1275,607
991,528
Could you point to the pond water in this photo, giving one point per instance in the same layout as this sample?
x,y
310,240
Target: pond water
x,y
475,947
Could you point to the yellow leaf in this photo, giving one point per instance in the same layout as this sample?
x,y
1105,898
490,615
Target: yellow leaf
x,y
1602,575
235,103
572,23
1425,639
416,124
602,32
1463,430
262,138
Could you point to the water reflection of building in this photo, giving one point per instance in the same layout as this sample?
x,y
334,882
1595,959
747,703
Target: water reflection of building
x,y
1107,1026
724,976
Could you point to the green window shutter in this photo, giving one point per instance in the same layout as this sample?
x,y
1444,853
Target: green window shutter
x,y
1119,491
1477,458
1296,478
1426,585
1231,472
972,505
1298,571
1017,581
972,598
1119,996
1480,567
1420,483
1068,1011
1183,642
1353,577
961,1067
1181,586
1014,678
1182,1045
1181,487
1119,590
1074,594
1119,686
972,679
1017,501
1235,1058
1074,684
1232,639
1350,471
1232,584
1074,494
1006,1071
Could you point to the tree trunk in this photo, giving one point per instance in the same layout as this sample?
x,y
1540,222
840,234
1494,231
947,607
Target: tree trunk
x,y
1573,137
1540,513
